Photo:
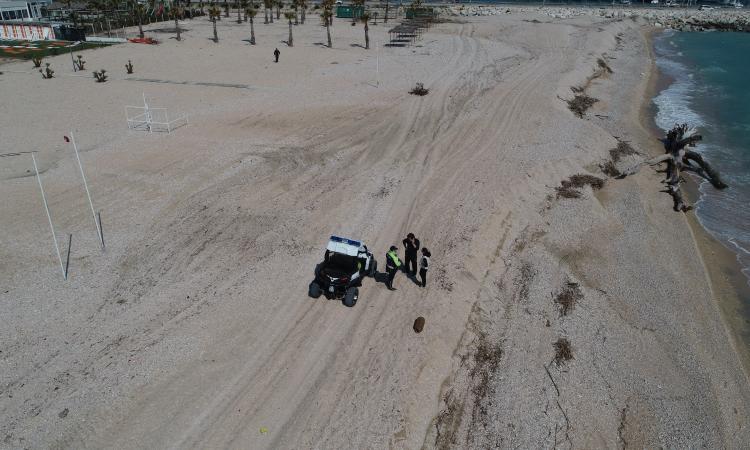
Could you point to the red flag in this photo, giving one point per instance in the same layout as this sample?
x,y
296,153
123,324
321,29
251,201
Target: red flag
x,y
66,139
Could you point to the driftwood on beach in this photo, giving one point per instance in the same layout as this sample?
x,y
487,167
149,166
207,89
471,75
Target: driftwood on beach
x,y
678,159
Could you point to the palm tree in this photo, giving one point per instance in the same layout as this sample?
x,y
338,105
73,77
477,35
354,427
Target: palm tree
x,y
214,13
279,5
251,12
139,10
327,15
96,6
269,5
289,15
386,12
176,12
151,10
357,4
365,17
302,6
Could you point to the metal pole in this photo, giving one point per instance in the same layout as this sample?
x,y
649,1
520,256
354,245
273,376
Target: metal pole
x,y
49,218
67,259
86,185
101,230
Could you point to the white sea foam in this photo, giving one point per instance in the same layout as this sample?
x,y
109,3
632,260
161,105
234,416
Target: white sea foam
x,y
723,214
673,103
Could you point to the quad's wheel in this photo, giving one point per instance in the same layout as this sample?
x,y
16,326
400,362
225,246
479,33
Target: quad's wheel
x,y
314,290
373,267
350,299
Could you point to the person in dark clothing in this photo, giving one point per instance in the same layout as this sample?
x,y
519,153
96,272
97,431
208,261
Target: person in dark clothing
x,y
411,244
424,264
392,263
276,54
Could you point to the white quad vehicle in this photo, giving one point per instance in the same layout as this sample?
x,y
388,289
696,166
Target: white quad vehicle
x,y
345,264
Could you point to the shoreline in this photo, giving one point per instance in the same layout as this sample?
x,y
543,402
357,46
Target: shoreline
x,y
728,283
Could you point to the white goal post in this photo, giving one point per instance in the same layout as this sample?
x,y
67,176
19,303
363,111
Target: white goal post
x,y
152,119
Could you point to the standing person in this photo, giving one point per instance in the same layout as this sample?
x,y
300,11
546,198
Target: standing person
x,y
411,245
424,264
392,263
276,54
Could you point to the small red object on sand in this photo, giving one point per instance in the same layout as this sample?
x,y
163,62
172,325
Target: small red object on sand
x,y
145,40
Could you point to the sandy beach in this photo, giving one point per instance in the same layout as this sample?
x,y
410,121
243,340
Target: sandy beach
x,y
193,328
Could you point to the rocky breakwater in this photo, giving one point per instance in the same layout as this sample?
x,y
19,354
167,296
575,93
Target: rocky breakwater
x,y
693,20
678,19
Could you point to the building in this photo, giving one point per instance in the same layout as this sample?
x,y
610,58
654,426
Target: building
x,y
22,10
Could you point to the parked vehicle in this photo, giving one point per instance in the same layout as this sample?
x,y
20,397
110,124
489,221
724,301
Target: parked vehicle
x,y
345,264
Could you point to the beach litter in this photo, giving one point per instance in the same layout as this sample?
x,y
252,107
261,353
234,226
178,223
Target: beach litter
x,y
418,324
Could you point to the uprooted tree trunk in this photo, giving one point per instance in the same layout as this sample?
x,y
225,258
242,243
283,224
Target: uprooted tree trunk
x,y
679,159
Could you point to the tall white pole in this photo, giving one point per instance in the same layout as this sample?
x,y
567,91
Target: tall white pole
x,y
147,112
49,218
88,193
377,63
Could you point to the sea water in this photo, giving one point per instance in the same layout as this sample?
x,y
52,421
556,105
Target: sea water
x,y
709,88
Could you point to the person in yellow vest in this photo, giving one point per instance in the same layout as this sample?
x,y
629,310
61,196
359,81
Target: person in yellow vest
x,y
392,264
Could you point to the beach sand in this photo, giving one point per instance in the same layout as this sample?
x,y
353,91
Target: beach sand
x,y
194,329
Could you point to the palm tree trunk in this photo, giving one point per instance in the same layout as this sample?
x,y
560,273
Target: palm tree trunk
x,y
216,36
226,8
328,32
252,32
140,26
278,12
265,19
239,15
303,16
291,39
367,36
177,26
271,15
386,12
295,16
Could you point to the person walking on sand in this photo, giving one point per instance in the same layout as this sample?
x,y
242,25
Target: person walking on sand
x,y
411,245
424,264
276,54
392,263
